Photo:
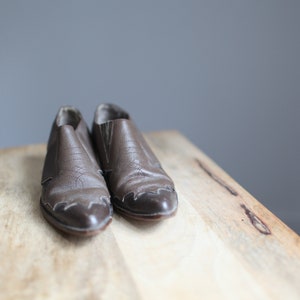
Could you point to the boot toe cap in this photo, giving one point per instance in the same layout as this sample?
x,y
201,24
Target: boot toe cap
x,y
149,205
80,220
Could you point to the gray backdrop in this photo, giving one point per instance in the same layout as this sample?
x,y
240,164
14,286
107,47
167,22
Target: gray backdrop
x,y
224,73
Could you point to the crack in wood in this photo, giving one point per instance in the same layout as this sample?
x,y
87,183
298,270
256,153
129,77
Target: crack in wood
x,y
256,221
217,179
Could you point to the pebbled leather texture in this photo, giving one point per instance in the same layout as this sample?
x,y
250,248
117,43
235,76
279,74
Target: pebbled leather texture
x,y
74,197
139,186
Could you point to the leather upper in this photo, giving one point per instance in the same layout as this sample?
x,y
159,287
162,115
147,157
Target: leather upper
x,y
134,175
74,190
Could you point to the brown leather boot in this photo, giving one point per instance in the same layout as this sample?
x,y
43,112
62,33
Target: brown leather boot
x,y
75,198
139,186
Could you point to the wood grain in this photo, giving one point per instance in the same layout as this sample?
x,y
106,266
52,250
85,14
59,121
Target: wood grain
x,y
222,243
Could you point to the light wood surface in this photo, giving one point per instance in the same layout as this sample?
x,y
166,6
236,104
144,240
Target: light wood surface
x,y
222,243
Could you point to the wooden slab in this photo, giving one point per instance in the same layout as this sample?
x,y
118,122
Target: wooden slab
x,y
222,244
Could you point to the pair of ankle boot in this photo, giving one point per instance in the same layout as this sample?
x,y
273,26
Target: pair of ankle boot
x,y
86,175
